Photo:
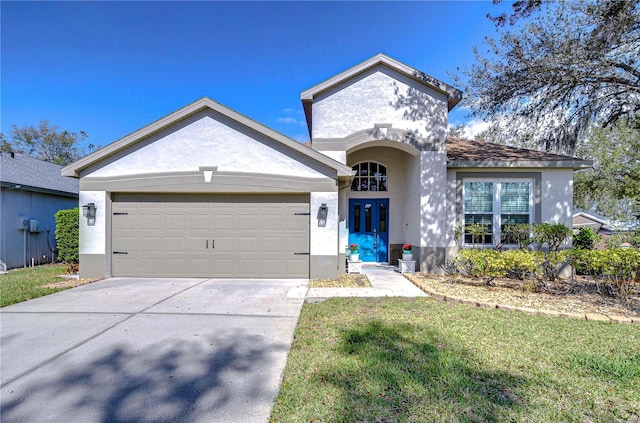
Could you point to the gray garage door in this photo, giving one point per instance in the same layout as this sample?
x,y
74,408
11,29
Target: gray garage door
x,y
192,235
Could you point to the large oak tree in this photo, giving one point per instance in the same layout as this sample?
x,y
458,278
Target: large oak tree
x,y
557,68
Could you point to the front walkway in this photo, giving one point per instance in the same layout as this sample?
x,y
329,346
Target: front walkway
x,y
386,281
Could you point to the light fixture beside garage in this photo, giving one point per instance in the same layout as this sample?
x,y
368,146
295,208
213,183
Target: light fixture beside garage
x,y
323,211
208,172
89,211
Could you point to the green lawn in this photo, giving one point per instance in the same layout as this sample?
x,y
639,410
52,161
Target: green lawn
x,y
24,284
419,360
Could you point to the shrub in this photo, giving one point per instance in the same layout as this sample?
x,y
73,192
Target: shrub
x,y
523,264
67,235
585,239
619,268
554,263
518,234
486,264
554,235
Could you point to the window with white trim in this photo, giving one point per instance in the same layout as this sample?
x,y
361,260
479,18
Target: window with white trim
x,y
370,176
492,205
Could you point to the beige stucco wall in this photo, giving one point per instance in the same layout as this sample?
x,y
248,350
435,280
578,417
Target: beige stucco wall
x,y
207,139
557,196
433,203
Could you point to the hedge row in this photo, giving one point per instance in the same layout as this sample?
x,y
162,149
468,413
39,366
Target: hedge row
x,y
620,268
520,264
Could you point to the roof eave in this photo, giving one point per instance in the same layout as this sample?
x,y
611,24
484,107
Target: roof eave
x,y
551,164
31,188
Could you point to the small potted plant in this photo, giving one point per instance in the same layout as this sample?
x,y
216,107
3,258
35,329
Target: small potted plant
x,y
407,255
354,252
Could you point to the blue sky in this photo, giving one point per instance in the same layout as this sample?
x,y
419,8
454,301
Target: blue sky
x,y
110,68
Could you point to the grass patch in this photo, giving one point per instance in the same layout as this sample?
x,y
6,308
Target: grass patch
x,y
411,360
24,284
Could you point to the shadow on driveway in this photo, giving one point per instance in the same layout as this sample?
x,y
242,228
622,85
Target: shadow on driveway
x,y
214,379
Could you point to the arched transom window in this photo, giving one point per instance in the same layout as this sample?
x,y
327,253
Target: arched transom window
x,y
370,176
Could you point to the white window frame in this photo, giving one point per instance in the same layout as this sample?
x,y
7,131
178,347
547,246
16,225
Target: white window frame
x,y
497,212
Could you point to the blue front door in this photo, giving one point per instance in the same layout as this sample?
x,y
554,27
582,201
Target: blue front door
x,y
369,228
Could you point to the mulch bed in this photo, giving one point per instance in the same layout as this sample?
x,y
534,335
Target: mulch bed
x,y
70,282
345,280
584,295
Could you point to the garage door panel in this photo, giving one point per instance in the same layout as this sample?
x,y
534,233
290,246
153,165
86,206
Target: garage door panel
x,y
124,243
197,266
296,224
272,243
149,244
221,267
198,244
173,235
272,223
297,244
125,222
297,267
246,244
173,221
197,222
150,221
245,222
222,245
271,267
221,221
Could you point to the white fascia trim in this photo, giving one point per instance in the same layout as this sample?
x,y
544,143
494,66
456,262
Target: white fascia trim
x,y
554,164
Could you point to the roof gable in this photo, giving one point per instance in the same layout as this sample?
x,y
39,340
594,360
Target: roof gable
x,y
118,147
453,94
35,175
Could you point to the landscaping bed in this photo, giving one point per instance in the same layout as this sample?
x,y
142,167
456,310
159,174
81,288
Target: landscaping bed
x,y
582,295
345,280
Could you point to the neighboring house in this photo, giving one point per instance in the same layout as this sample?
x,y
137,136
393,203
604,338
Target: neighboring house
x,y
596,222
206,191
31,192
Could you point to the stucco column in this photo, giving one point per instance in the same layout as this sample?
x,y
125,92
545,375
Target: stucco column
x,y
433,210
323,240
93,236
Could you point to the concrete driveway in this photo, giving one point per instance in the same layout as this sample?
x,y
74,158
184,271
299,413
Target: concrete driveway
x,y
153,350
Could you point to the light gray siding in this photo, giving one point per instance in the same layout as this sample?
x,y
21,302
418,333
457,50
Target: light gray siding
x,y
18,247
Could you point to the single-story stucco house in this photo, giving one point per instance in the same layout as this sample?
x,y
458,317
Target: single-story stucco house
x,y
31,192
208,192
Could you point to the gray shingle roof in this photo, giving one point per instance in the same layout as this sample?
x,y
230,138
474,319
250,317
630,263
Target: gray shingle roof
x,y
35,175
461,152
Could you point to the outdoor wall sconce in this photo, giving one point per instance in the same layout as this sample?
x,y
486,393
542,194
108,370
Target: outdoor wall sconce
x,y
323,211
89,211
